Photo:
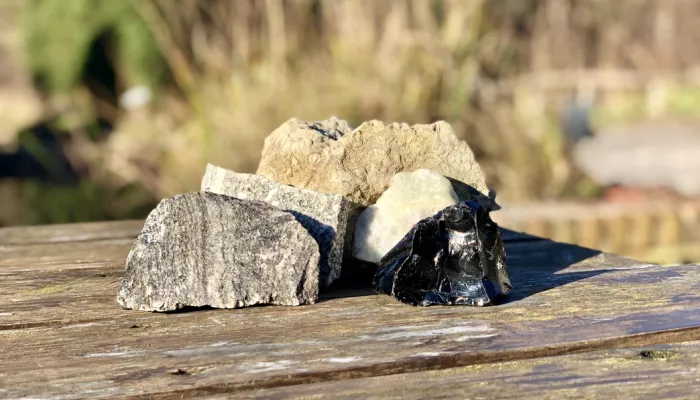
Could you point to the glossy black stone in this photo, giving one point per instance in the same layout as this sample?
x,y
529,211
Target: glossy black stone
x,y
453,258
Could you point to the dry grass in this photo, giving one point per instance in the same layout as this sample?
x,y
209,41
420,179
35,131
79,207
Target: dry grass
x,y
254,65
245,67
241,68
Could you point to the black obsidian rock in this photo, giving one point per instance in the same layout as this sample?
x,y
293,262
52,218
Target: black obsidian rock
x,y
455,257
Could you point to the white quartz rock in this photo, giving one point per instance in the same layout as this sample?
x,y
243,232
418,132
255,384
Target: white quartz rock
x,y
411,197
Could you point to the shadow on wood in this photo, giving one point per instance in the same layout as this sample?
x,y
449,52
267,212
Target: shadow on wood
x,y
533,265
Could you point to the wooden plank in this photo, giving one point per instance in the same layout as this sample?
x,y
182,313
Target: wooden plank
x,y
63,255
88,253
669,372
88,231
63,334
23,235
114,358
54,284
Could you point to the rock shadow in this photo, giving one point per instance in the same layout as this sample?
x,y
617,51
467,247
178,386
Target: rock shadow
x,y
322,233
355,281
534,264
188,309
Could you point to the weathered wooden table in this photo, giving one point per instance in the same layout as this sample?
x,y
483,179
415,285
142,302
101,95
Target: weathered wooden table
x,y
579,324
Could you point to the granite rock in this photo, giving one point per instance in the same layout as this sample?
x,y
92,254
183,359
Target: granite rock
x,y
326,156
329,218
205,249
411,197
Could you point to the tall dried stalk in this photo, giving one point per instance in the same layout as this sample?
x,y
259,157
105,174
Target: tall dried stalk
x,y
496,70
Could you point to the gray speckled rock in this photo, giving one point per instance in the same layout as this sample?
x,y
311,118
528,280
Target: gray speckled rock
x,y
329,218
204,249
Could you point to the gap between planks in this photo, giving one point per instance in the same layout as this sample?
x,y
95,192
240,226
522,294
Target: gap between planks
x,y
127,229
76,232
436,363
649,372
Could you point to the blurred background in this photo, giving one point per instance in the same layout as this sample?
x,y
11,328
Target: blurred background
x,y
581,112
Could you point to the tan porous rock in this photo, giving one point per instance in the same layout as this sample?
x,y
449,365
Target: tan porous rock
x,y
327,156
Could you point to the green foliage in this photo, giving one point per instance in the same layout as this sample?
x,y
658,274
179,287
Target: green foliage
x,y
88,201
237,69
59,33
685,101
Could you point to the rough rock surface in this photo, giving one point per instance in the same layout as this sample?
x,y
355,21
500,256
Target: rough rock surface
x,y
329,218
326,156
411,197
204,249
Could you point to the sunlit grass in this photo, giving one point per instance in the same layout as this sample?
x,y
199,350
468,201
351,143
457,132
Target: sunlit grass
x,y
226,73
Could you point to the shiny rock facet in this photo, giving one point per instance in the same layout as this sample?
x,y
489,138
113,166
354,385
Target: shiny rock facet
x,y
456,257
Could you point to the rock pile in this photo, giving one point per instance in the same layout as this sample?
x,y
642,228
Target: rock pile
x,y
283,234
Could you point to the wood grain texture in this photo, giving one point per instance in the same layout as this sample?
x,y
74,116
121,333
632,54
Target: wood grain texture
x,y
33,279
129,229
25,235
669,372
64,255
62,334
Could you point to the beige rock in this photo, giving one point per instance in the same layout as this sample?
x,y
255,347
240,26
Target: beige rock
x,y
328,157
411,197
